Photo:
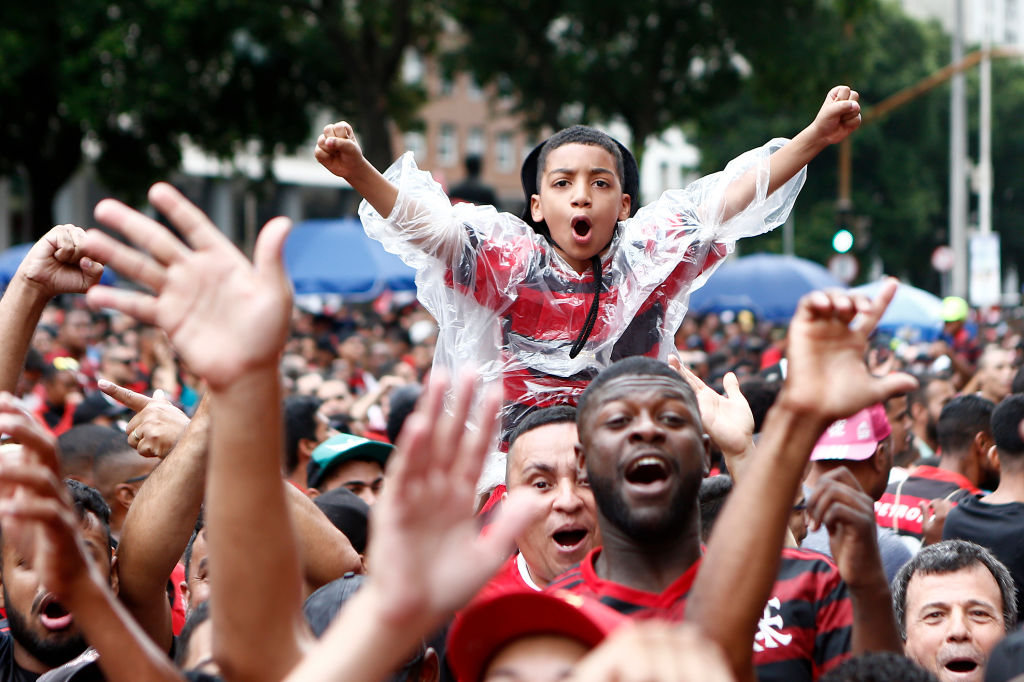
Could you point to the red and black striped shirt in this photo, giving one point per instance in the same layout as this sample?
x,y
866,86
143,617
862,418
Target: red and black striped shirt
x,y
806,628
899,509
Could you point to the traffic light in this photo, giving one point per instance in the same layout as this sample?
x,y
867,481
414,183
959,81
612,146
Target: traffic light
x,y
842,241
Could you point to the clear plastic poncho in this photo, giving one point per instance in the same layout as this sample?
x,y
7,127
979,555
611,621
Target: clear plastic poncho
x,y
507,303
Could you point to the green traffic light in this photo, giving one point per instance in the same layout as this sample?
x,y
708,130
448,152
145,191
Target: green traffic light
x,y
842,241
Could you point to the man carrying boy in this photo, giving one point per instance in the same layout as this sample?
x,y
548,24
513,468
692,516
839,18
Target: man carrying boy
x,y
546,303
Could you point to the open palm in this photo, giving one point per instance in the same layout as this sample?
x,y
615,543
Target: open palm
x,y
223,314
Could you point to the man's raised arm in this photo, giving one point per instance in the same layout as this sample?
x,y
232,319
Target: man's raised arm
x,y
160,521
827,380
54,265
228,319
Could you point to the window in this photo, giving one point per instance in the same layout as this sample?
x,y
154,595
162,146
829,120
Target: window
x,y
447,145
475,142
505,153
416,142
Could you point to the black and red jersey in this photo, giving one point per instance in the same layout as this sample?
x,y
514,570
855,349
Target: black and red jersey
x,y
806,628
899,507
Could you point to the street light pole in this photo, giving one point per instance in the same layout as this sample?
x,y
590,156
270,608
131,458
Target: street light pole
x,y
957,160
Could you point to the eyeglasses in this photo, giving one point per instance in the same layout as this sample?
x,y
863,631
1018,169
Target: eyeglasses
x,y
136,479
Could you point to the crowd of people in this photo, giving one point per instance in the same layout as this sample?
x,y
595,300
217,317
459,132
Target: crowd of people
x,y
545,471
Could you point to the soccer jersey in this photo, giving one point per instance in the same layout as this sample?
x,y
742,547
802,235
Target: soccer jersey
x,y
899,509
506,302
805,630
670,604
807,625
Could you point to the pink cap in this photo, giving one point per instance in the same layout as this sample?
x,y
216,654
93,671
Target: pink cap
x,y
855,437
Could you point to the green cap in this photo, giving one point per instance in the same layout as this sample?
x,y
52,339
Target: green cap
x,y
954,309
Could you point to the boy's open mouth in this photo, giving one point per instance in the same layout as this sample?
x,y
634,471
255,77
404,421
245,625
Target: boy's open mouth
x,y
581,225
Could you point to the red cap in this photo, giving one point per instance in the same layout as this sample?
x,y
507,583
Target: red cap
x,y
854,438
483,629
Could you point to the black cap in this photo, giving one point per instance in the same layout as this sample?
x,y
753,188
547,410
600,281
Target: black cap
x,y
528,176
349,514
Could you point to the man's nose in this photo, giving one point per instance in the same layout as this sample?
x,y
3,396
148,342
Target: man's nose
x,y
645,428
567,496
959,627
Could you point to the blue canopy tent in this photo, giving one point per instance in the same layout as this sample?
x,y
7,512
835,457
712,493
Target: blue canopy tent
x,y
336,257
768,284
11,258
914,314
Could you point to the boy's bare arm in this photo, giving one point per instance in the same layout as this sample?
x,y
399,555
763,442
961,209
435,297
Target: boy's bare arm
x,y
838,117
339,152
827,380
324,551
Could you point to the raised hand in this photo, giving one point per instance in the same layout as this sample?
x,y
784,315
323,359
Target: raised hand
x,y
157,425
828,337
839,115
38,446
224,315
40,521
426,553
848,513
338,151
56,263
727,419
654,650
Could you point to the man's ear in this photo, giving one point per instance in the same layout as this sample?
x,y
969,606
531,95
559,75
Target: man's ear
x,y
918,411
305,449
312,493
627,201
115,579
982,443
581,461
993,458
535,212
185,594
124,493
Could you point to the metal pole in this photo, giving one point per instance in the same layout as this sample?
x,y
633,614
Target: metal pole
x,y
985,128
957,161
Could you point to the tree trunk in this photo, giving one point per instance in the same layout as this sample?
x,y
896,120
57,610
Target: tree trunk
x,y
374,131
59,157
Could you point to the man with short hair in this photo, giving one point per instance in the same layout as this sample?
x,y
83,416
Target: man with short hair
x,y
542,459
995,521
645,451
954,602
119,472
43,633
926,405
897,411
305,426
347,461
995,372
964,440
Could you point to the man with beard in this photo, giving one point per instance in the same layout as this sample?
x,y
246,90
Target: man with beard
x,y
43,633
643,445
